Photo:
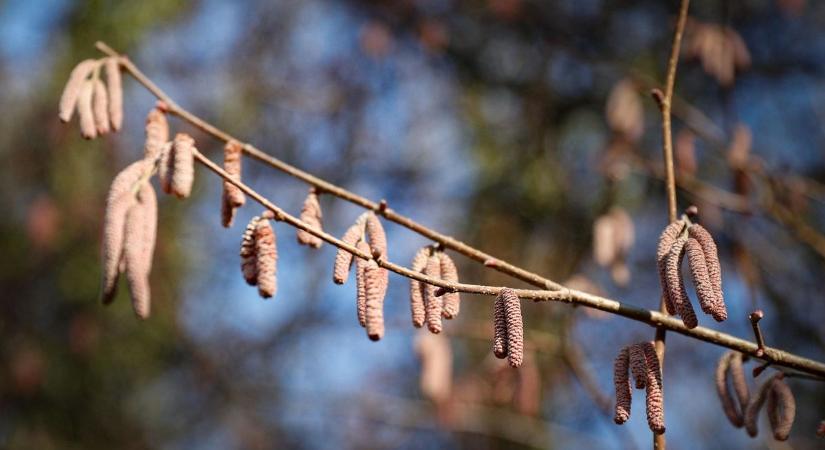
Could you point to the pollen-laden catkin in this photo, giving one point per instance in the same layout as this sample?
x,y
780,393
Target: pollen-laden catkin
x,y
705,240
653,390
84,109
755,405
701,281
375,287
417,310
452,300
266,258
343,259
139,247
515,328
311,214
781,409
500,327
433,304
71,92
183,165
621,381
638,366
232,197
666,241
157,135
361,285
120,198
729,407
100,107
249,264
115,86
376,235
676,285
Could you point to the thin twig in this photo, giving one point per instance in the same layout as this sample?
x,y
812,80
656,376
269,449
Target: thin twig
x,y
755,317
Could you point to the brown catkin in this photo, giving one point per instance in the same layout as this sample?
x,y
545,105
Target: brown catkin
x,y
500,327
249,264
755,405
433,304
701,281
183,165
361,285
452,300
704,238
100,107
311,214
165,167
737,377
781,409
343,258
376,235
84,109
115,86
120,198
417,311
232,197
266,258
139,247
515,328
638,366
621,381
71,92
729,407
375,287
666,241
157,135
676,285
653,390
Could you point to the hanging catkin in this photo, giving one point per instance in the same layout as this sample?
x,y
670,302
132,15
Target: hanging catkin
x,y
232,198
676,285
449,273
249,263
781,409
433,304
638,365
714,268
653,390
84,109
515,328
266,258
157,135
139,247
343,258
723,370
182,162
701,281
417,310
737,377
311,215
621,381
71,92
755,405
120,198
500,327
115,86
666,241
361,285
100,108
375,288
376,235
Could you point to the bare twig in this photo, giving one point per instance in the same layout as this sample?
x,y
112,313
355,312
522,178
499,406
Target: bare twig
x,y
755,317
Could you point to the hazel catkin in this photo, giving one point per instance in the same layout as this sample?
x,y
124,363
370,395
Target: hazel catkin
x,y
375,289
676,286
249,264
361,285
755,405
654,399
449,273
666,241
701,280
515,328
182,162
115,92
729,406
781,409
417,310
71,92
232,197
433,304
311,215
343,258
100,107
266,258
500,328
638,365
88,129
157,135
714,268
138,248
376,235
621,382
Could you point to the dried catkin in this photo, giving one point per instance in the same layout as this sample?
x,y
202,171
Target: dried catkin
x,y
232,197
666,240
84,109
729,407
157,135
182,161
266,258
500,327
361,285
638,366
139,247
653,390
433,304
71,92
676,285
376,235
515,328
452,300
621,381
417,310
436,366
737,377
375,288
120,198
704,238
115,86
100,107
781,409
755,405
311,215
249,264
343,258
701,281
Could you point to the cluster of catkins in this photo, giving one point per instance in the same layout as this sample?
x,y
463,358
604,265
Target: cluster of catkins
x,y
99,105
745,409
508,339
426,305
613,236
130,222
682,237
643,363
